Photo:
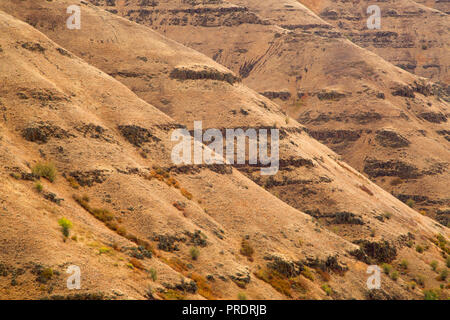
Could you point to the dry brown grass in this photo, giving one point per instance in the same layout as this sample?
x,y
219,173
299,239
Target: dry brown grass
x,y
204,288
277,281
137,264
246,249
366,190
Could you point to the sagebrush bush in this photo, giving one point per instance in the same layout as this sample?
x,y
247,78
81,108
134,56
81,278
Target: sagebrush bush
x,y
194,253
45,170
38,186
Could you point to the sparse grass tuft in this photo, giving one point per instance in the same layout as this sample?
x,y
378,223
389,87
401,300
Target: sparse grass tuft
x,y
433,265
411,203
101,214
387,215
327,289
38,186
404,264
103,250
174,295
153,274
46,170
386,268
73,183
394,275
241,296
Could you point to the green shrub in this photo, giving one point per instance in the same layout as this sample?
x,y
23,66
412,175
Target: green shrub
x,y
46,170
419,249
66,225
194,253
448,261
434,265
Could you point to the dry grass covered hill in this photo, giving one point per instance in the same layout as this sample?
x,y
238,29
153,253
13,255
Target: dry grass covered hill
x,y
100,106
386,122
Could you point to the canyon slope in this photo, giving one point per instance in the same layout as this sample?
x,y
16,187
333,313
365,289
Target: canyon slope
x,y
386,122
101,105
